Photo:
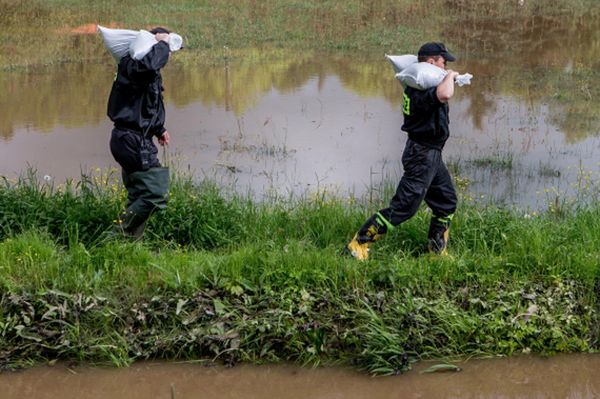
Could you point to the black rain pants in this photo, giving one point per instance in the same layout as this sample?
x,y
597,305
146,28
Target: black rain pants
x,y
147,190
425,178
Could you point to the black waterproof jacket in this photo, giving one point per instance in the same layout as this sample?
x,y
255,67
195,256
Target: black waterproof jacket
x,y
425,117
136,93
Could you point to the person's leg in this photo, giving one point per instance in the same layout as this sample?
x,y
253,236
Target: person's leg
x,y
132,220
148,191
125,149
417,161
145,191
441,198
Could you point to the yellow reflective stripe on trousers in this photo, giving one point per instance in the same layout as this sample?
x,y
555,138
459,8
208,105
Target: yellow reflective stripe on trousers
x,y
446,220
383,221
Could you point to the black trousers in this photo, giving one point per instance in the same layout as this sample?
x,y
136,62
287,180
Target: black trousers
x,y
125,148
425,178
147,189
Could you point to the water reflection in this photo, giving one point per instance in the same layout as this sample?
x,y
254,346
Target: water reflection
x,y
69,96
542,60
304,121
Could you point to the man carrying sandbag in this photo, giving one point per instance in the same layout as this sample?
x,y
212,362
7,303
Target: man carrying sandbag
x,y
137,109
425,174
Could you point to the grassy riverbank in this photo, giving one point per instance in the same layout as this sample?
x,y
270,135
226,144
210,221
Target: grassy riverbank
x,y
53,31
224,278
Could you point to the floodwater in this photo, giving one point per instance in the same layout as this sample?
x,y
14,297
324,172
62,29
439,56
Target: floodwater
x,y
564,377
525,133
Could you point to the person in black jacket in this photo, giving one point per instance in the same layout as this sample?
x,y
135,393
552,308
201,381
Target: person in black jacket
x,y
425,174
137,109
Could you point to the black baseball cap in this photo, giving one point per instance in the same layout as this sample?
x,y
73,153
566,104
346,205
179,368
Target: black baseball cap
x,y
436,48
159,29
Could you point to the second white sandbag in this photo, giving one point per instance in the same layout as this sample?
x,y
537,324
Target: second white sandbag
x,y
401,62
421,76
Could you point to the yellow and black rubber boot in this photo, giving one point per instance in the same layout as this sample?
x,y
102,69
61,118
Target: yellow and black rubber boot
x,y
439,233
373,229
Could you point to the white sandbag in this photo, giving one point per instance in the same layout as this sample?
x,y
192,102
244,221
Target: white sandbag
x,y
117,41
142,44
421,75
145,40
401,62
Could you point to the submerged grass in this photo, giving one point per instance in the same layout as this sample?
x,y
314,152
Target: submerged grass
x,y
224,278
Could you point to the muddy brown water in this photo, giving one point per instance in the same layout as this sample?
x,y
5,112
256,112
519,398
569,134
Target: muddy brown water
x,y
525,132
564,377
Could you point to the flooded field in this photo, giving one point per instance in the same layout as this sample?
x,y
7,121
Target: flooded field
x,y
573,376
525,132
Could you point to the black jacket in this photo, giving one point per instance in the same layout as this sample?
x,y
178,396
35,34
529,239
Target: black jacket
x,y
425,117
136,93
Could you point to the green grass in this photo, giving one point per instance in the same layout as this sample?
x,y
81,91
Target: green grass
x,y
36,32
220,277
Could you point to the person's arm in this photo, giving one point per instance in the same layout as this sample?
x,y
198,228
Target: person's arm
x,y
164,138
156,58
445,90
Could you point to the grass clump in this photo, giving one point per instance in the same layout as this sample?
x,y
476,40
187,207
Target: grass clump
x,y
220,277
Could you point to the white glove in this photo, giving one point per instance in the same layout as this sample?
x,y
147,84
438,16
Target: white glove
x,y
173,39
462,80
175,42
